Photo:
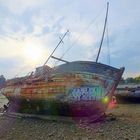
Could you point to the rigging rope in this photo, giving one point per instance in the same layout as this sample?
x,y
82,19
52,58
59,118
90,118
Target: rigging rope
x,y
85,30
108,47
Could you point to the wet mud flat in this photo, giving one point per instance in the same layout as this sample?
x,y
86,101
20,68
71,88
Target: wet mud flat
x,y
121,123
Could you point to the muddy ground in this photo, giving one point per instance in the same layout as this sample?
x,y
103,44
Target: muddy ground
x,y
121,123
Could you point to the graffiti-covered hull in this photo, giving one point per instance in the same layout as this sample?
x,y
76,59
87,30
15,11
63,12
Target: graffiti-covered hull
x,y
79,89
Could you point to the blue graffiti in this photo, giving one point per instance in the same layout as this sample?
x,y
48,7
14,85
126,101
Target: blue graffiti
x,y
87,93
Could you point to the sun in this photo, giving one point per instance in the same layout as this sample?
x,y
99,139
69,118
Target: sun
x,y
33,52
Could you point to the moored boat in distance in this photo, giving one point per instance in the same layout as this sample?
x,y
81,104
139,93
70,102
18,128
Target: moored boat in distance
x,y
128,93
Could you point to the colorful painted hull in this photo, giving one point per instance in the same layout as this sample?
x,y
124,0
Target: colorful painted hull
x,y
77,89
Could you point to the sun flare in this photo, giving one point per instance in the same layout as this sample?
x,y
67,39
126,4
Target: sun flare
x,y
33,52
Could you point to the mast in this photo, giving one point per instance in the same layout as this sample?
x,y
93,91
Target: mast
x,y
103,33
61,40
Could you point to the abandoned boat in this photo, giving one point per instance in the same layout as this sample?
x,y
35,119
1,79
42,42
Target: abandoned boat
x,y
76,89
128,93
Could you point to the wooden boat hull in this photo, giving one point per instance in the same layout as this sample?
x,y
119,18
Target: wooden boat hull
x,y
77,89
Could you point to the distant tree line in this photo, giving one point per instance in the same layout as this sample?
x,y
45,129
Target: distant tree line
x,y
135,80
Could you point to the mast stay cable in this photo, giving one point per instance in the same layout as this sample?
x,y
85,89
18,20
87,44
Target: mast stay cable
x,y
108,47
93,21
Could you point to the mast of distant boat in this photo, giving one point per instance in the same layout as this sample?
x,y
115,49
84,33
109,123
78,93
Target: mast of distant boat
x,y
103,33
61,40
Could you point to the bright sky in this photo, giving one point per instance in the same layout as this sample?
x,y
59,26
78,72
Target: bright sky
x,y
30,29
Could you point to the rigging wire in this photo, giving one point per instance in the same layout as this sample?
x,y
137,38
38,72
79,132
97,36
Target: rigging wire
x,y
85,30
108,47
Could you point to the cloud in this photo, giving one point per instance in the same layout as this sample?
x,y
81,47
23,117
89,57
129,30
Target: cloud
x,y
19,6
124,49
30,52
83,39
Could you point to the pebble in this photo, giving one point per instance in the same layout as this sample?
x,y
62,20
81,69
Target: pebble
x,y
119,128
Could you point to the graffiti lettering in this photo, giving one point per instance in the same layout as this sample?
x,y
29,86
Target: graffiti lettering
x,y
87,93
